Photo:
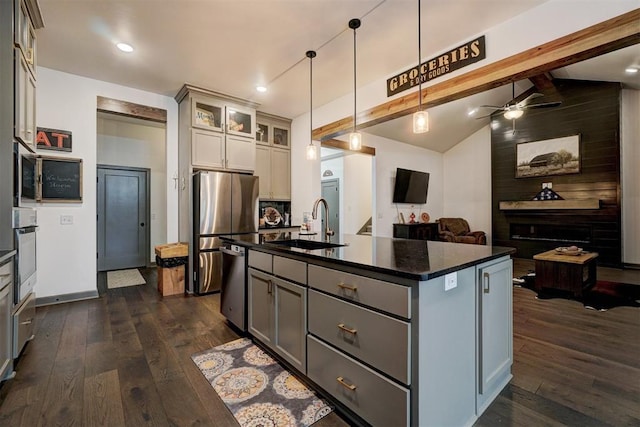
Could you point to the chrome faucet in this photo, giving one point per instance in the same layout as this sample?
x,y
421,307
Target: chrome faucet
x,y
314,214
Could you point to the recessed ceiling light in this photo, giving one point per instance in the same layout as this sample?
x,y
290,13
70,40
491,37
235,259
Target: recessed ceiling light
x,y
631,70
124,47
472,112
261,88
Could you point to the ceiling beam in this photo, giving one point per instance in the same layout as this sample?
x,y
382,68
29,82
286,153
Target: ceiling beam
x,y
335,143
129,109
607,36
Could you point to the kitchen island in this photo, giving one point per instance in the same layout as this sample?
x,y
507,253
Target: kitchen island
x,y
394,331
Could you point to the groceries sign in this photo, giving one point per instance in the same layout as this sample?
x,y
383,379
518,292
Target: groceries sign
x,y
442,64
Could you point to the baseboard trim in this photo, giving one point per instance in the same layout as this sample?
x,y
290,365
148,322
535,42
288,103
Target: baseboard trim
x,y
59,299
631,266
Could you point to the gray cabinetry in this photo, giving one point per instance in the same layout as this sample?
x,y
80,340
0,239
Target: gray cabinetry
x,y
215,132
495,321
372,396
278,307
26,19
6,297
273,156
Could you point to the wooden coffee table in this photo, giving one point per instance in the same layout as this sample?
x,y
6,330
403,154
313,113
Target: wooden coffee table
x,y
572,273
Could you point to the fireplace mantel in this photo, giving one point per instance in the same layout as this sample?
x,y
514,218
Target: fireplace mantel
x,y
550,204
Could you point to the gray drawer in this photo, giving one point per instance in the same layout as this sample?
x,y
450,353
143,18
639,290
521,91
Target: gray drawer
x,y
376,399
6,274
261,261
389,297
23,323
290,269
377,339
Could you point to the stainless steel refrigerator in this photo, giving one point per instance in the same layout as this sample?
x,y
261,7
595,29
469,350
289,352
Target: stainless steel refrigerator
x,y
223,203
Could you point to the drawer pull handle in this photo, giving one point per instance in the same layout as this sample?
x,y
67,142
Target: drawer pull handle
x,y
353,288
26,322
347,385
344,328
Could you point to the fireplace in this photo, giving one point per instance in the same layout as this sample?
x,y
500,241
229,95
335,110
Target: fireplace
x,y
562,234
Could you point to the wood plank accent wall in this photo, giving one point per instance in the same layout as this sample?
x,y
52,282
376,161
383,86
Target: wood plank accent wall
x,y
591,109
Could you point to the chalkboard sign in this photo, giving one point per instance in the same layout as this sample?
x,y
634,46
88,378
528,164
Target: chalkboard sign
x,y
60,179
29,178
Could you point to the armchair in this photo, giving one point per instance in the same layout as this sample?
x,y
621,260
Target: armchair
x,y
457,230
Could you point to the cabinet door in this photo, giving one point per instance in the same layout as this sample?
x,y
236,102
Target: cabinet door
x,y
280,174
291,321
263,170
207,149
241,153
22,24
5,329
261,306
495,335
24,107
240,121
262,133
281,136
207,114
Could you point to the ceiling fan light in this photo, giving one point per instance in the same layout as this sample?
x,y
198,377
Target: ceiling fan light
x,y
420,122
513,114
312,151
355,141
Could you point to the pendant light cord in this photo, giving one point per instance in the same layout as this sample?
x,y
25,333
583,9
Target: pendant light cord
x,y
311,95
354,24
419,60
354,80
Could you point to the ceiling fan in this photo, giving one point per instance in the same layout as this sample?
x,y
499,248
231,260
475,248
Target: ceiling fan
x,y
515,110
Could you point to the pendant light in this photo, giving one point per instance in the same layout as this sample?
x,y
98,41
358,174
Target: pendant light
x,y
312,150
420,118
355,138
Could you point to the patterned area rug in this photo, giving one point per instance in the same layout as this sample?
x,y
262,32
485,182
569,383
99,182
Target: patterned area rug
x,y
122,278
256,389
602,296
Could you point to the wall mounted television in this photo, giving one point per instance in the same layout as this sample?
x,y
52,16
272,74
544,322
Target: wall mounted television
x,y
411,187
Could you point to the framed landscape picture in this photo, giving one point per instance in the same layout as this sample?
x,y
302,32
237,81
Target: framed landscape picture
x,y
558,156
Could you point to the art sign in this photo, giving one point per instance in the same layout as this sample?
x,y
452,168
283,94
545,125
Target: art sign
x,y
53,139
445,63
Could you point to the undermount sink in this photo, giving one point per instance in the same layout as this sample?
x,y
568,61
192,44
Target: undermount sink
x,y
305,244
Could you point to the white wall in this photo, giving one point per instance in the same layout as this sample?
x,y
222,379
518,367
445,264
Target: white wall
x,y
467,181
630,153
67,253
139,144
357,201
554,19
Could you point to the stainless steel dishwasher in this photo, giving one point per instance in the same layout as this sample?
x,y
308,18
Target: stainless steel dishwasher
x,y
234,285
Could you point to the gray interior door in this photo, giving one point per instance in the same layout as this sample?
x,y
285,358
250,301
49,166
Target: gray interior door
x,y
123,206
331,193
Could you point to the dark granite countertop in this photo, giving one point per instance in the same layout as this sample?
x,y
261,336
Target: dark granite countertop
x,y
412,259
6,255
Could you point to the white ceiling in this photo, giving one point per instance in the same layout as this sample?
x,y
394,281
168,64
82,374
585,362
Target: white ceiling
x,y
229,46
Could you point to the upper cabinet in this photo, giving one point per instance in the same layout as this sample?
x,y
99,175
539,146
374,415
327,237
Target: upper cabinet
x,y
273,130
273,156
27,18
216,131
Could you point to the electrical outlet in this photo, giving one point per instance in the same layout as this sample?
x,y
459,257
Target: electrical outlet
x,y
66,219
549,185
450,281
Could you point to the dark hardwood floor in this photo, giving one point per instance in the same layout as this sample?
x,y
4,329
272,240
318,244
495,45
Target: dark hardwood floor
x,y
124,359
